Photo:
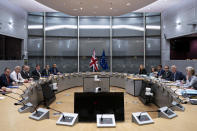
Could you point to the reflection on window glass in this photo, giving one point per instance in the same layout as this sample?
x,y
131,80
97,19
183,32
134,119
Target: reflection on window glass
x,y
61,41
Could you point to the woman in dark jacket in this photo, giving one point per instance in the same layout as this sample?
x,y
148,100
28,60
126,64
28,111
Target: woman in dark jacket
x,y
142,70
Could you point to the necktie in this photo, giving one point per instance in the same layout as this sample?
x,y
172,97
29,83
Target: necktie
x,y
8,80
17,76
39,73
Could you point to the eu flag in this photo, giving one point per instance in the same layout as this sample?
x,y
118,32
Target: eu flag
x,y
103,61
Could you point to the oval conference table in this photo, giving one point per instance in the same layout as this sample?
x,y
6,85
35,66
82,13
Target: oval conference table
x,y
68,84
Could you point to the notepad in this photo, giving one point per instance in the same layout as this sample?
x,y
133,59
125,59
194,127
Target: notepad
x,y
189,92
13,87
1,98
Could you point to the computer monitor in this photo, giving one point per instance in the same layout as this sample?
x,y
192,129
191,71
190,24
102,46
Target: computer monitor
x,y
48,93
89,104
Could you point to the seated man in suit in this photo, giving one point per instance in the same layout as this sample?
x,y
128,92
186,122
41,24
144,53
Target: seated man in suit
x,y
142,70
36,73
54,70
167,73
5,80
160,71
16,75
176,75
25,72
46,71
191,79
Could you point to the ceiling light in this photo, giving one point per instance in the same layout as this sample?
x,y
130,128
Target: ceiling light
x,y
94,26
153,27
81,8
110,8
178,22
35,27
131,27
56,27
128,4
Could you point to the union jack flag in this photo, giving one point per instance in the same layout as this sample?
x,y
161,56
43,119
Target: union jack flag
x,y
94,62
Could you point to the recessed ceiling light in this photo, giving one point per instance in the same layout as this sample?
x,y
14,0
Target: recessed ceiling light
x,y
81,8
110,8
128,4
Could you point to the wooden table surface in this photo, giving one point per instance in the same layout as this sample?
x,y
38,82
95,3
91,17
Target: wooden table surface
x,y
12,120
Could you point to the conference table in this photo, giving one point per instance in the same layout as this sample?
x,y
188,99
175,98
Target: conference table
x,y
69,83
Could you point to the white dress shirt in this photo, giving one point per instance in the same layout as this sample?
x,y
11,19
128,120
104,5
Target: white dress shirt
x,y
16,77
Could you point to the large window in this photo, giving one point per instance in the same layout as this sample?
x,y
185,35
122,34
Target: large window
x,y
153,40
128,44
94,33
35,47
61,41
128,41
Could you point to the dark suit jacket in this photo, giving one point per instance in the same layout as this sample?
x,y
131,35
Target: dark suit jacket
x,y
167,75
54,71
4,82
143,71
160,73
177,76
25,75
44,72
35,75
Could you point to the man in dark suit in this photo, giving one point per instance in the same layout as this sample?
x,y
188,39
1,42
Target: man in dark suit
x,y
54,70
36,73
160,70
5,79
46,71
25,72
167,73
176,75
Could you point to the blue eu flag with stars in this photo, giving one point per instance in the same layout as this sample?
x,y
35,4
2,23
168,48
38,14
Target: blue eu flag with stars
x,y
103,61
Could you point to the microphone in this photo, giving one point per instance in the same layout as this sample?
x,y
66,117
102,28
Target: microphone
x,y
139,117
21,90
3,93
57,111
101,118
18,94
35,107
24,85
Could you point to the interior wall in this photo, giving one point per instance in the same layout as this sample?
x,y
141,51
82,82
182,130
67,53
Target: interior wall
x,y
13,22
176,21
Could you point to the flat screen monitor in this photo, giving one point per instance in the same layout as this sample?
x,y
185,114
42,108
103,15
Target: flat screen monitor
x,y
89,104
48,93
